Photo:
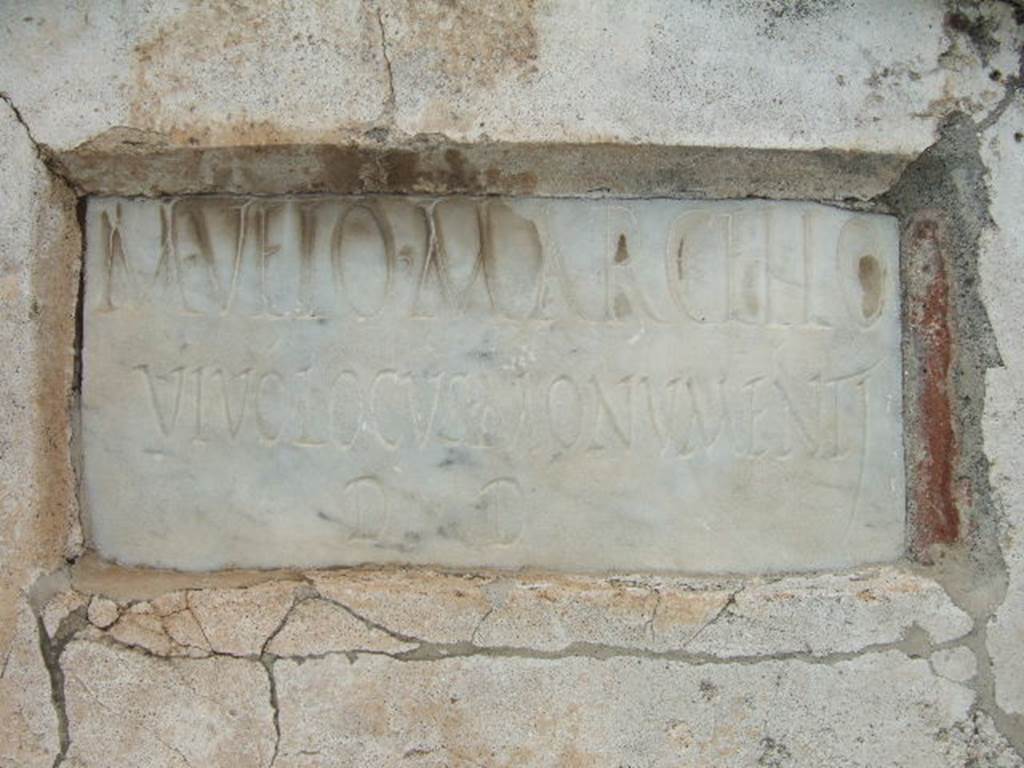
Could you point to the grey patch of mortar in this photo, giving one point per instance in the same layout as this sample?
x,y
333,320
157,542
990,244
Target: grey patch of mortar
x,y
966,19
949,179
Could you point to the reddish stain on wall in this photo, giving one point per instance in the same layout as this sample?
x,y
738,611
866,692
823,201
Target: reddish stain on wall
x,y
936,515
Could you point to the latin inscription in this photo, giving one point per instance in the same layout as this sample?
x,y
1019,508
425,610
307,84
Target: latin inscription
x,y
585,384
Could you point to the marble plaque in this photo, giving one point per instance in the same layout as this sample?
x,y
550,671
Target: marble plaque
x,y
565,383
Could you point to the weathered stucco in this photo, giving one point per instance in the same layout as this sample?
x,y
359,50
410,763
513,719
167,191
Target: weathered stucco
x,y
896,107
382,667
230,74
1003,152
515,97
39,260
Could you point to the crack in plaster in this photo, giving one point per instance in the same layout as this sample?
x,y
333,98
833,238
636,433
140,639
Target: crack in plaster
x,y
649,625
267,660
915,642
42,153
1014,86
195,617
372,624
480,624
268,664
51,650
390,105
731,601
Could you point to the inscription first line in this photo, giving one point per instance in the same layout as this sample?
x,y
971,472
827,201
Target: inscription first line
x,y
306,259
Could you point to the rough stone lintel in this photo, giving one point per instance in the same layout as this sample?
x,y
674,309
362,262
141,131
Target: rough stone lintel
x,y
128,162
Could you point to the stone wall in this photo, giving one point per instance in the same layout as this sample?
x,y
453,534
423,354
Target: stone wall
x,y
913,109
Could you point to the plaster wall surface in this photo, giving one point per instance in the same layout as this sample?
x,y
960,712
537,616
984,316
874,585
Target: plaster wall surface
x,y
915,663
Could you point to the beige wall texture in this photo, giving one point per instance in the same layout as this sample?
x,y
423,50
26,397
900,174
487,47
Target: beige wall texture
x,y
911,108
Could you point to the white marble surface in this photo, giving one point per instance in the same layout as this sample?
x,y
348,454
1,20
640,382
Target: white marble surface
x,y
585,385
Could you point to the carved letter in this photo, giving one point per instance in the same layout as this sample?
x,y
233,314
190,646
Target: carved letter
x,y
234,421
265,426
696,265
603,411
114,257
362,259
165,422
565,411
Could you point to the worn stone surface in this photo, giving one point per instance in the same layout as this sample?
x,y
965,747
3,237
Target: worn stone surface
x,y
467,382
792,615
1003,285
483,711
433,607
956,664
30,732
127,708
58,607
141,627
453,691
400,612
102,612
93,575
39,248
317,627
802,613
234,620
986,746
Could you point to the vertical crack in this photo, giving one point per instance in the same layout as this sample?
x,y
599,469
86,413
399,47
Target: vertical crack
x,y
267,660
51,650
649,626
479,624
390,107
51,658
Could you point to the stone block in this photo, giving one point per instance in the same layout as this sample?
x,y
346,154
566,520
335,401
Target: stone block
x,y
569,384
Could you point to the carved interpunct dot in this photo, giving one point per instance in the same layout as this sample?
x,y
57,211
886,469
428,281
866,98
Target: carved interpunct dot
x,y
564,383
